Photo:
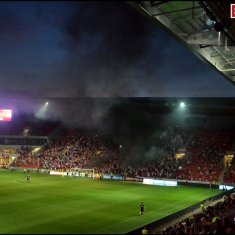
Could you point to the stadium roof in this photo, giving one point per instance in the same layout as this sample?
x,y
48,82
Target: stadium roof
x,y
205,27
207,106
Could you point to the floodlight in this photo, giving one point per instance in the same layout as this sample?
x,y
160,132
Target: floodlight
x,y
42,111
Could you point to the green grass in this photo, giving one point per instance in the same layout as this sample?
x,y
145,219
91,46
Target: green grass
x,y
56,205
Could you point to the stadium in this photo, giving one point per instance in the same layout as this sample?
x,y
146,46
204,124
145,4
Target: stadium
x,y
125,165
87,180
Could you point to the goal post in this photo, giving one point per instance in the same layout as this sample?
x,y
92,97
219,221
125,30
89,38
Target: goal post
x,y
83,172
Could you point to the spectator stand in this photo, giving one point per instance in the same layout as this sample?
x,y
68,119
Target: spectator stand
x,y
158,226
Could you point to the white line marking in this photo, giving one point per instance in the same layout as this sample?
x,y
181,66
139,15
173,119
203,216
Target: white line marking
x,y
124,221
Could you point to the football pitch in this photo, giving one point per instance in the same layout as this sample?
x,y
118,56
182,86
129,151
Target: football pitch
x,y
56,205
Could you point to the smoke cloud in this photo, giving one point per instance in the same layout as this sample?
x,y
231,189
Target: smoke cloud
x,y
110,51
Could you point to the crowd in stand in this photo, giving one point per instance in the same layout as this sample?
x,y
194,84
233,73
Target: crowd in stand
x,y
174,138
75,149
166,167
164,164
80,148
211,220
205,155
25,159
87,149
229,175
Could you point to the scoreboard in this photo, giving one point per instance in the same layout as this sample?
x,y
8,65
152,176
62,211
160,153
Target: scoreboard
x,y
5,115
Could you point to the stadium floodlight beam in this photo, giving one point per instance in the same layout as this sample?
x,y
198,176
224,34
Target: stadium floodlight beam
x,y
182,105
41,113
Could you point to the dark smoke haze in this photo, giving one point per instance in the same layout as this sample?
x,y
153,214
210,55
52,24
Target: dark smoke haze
x,y
124,122
96,49
113,62
61,52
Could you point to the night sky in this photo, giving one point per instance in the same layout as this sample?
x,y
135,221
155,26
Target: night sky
x,y
96,49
